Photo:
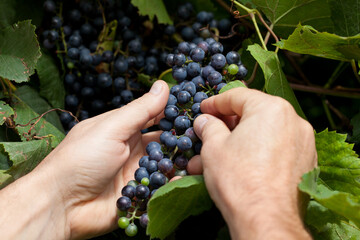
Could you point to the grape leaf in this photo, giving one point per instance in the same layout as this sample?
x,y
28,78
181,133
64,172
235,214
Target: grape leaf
x,y
38,105
5,111
325,224
346,16
285,15
26,155
174,202
231,85
107,37
342,203
153,8
168,78
275,80
4,159
339,164
51,85
307,40
19,51
5,179
43,128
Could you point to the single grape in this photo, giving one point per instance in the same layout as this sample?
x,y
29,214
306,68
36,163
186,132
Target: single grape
x,y
190,133
144,219
56,22
183,97
144,161
199,97
107,56
123,203
142,191
172,100
193,69
165,165
190,88
233,69
140,173
197,54
195,108
187,33
233,57
179,59
127,96
242,72
165,124
170,60
135,46
131,230
104,80
218,61
152,166
184,48
181,162
71,101
156,154
184,143
179,73
123,222
157,179
73,53
152,145
216,47
214,78
171,112
182,123
128,191
145,181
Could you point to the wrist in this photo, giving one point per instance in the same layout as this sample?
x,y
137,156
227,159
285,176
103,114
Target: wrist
x,y
267,219
35,210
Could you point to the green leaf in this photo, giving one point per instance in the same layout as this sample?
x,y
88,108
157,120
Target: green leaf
x,y
339,164
285,15
153,8
168,78
24,113
107,37
174,202
326,224
38,105
342,203
26,155
19,51
145,79
5,179
346,16
5,112
51,85
275,81
231,85
307,40
4,159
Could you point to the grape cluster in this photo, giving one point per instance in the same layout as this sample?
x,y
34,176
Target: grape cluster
x,y
101,70
201,71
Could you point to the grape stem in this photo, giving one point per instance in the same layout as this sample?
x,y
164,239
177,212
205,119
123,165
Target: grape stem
x,y
164,73
353,65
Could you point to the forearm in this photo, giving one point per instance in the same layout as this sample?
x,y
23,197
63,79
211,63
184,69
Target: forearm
x,y
31,209
266,222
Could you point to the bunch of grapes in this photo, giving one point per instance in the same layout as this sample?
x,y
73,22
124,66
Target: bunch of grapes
x,y
201,71
101,71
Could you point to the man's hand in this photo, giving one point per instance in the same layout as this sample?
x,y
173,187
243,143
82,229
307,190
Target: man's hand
x,y
255,150
83,177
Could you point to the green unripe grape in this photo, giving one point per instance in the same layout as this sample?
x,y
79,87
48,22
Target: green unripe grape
x,y
123,222
132,183
233,69
131,230
70,65
145,181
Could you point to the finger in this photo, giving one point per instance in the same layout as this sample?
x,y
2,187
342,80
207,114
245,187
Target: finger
x,y
194,166
232,102
134,116
175,178
210,128
155,120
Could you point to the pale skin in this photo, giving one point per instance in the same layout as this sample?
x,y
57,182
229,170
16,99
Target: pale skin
x,y
72,193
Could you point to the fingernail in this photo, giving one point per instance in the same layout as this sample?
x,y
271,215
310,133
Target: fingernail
x,y
200,122
156,88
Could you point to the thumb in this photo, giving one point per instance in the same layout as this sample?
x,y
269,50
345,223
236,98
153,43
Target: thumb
x,y
133,117
211,130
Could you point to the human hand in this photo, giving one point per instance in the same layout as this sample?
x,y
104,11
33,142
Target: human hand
x,y
96,159
255,150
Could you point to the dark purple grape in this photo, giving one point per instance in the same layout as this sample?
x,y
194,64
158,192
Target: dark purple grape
x,y
143,162
152,166
181,162
123,203
179,59
56,22
195,108
216,47
165,124
214,78
104,80
157,179
182,123
135,46
121,65
206,71
197,54
71,101
233,57
190,133
199,82
184,48
128,191
174,90
203,17
73,53
151,146
65,118
127,96
87,92
170,60
179,73
184,143
193,69
220,86
49,6
171,112
242,72
142,191
165,165
107,56
75,40
169,30
199,97
141,173
172,100
156,155
187,33
183,97
190,88
204,46
218,61
144,219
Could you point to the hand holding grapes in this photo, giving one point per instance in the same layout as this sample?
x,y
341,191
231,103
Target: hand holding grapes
x,y
255,150
83,177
